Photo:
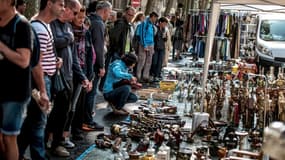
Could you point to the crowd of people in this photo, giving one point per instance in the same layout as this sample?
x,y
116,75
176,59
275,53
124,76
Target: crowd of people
x,y
66,53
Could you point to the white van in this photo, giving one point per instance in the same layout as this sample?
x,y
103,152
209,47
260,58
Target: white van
x,y
270,39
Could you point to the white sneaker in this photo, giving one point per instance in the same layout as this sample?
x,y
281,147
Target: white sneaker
x,y
48,144
67,143
61,152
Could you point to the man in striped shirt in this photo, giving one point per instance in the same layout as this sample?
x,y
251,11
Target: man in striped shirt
x,y
32,132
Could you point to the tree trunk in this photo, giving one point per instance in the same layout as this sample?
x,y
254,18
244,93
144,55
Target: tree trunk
x,y
32,8
149,7
169,6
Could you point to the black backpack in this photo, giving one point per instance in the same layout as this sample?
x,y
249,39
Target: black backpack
x,y
35,56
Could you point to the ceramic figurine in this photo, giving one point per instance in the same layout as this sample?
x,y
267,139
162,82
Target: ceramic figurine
x,y
260,102
280,81
281,106
158,137
271,77
143,145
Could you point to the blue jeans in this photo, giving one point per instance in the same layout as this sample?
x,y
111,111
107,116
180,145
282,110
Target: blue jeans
x,y
32,133
157,60
12,117
33,129
90,101
120,96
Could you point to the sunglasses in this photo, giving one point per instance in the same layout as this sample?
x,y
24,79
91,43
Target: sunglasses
x,y
75,13
131,15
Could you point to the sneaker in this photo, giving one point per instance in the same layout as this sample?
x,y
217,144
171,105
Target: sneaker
x,y
67,143
60,151
48,144
92,127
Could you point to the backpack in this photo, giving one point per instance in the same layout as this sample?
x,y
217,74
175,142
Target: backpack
x,y
136,38
35,56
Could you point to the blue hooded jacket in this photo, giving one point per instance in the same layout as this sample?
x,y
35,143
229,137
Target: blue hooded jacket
x,y
116,72
145,30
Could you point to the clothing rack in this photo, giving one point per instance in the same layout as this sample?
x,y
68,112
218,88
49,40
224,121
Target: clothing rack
x,y
216,37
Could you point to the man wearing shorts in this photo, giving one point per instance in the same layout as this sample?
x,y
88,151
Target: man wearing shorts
x,y
15,87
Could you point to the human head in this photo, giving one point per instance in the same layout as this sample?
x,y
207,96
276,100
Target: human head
x,y
72,8
21,6
87,22
162,22
153,17
130,59
138,17
113,16
6,5
119,14
129,13
92,7
103,9
80,17
55,7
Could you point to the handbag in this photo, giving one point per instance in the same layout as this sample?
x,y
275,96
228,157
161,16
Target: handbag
x,y
59,82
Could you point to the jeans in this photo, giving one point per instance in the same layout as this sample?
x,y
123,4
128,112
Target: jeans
x,y
33,129
12,117
157,60
32,133
90,101
120,96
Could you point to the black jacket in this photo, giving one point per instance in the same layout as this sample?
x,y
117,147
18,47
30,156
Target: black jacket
x,y
118,36
97,29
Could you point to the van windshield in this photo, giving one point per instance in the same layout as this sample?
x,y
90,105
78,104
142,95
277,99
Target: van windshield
x,y
272,30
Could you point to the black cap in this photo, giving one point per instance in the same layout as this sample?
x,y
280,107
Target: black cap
x,y
130,59
153,14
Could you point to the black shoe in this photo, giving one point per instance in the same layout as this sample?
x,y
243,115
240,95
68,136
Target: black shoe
x,y
77,136
155,79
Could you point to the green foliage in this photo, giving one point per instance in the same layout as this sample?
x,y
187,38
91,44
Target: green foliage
x,y
32,8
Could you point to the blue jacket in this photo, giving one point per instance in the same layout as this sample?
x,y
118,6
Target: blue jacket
x,y
145,31
116,72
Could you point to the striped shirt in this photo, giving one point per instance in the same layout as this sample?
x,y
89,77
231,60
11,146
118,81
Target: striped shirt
x,y
46,46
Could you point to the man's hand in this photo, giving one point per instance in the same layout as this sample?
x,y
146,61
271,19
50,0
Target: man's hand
x,y
44,103
133,80
101,72
146,49
1,50
58,62
87,85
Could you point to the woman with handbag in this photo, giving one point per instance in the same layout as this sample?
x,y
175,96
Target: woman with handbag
x,y
116,92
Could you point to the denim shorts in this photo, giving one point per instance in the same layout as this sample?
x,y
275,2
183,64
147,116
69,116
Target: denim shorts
x,y
12,115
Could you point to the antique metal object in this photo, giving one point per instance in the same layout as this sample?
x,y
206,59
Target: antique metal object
x,y
117,144
241,135
115,129
143,145
184,154
158,137
134,155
